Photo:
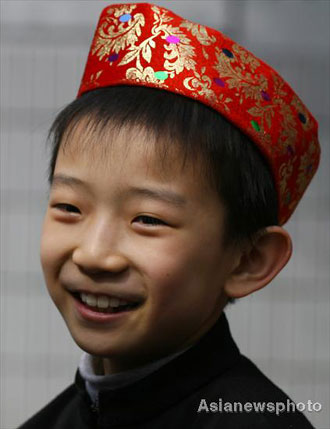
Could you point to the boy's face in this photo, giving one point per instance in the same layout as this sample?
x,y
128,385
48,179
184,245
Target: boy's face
x,y
98,238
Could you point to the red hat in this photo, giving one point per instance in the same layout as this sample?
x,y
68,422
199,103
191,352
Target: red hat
x,y
148,45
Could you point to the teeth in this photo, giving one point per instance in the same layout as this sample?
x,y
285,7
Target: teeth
x,y
102,301
114,302
91,300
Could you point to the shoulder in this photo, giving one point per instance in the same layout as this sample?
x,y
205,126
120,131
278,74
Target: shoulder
x,y
56,412
249,381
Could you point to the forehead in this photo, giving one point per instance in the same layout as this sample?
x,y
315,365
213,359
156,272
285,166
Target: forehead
x,y
130,148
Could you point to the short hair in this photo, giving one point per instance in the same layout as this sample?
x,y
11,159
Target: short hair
x,y
232,163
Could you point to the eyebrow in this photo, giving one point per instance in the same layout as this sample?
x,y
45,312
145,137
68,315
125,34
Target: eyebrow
x,y
59,180
151,193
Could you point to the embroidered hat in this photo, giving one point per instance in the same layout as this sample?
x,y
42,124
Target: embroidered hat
x,y
148,45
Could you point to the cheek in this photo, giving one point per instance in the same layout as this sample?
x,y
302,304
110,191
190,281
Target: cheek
x,y
52,250
52,255
185,277
176,274
45,246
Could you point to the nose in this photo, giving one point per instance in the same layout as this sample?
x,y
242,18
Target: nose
x,y
97,251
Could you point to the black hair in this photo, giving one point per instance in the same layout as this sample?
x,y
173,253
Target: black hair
x,y
232,164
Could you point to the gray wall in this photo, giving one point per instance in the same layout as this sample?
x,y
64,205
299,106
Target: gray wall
x,y
283,328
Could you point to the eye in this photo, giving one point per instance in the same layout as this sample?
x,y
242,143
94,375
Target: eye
x,y
69,208
148,220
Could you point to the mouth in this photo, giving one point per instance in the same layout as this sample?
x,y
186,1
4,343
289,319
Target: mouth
x,y
104,304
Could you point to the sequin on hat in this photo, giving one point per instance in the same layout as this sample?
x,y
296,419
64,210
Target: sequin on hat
x,y
148,45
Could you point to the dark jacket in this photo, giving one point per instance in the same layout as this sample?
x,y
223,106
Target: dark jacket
x,y
212,371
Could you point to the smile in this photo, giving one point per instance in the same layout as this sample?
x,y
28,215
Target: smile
x,y
104,304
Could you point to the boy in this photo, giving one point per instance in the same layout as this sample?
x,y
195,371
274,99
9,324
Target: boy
x,y
171,176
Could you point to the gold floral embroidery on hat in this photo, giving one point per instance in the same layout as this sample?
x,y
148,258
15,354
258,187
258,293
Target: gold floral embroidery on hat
x,y
247,84
199,31
109,40
305,167
93,80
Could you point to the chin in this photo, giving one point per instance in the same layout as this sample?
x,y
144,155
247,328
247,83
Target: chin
x,y
95,345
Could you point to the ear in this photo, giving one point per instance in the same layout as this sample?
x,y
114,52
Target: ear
x,y
260,264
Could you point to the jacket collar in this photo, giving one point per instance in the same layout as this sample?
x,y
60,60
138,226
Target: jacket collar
x,y
212,355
